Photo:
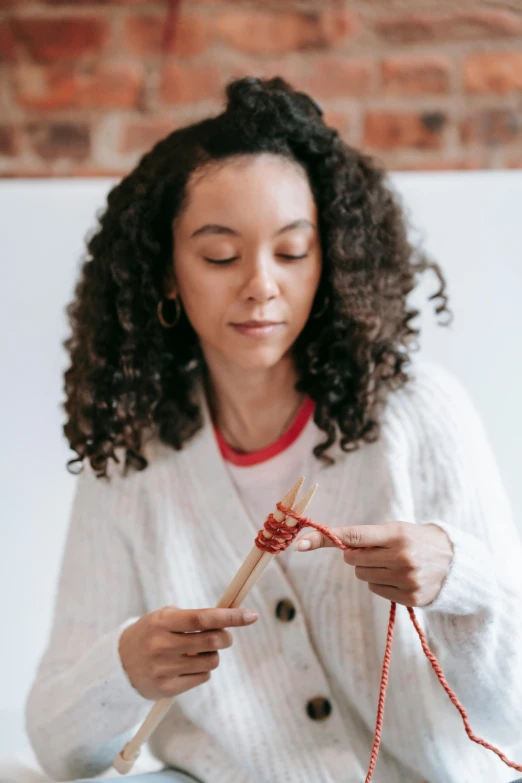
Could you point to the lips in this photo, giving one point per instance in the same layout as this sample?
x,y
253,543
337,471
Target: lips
x,y
256,324
258,329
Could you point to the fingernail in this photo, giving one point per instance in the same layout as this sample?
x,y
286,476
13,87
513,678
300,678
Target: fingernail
x,y
249,616
302,546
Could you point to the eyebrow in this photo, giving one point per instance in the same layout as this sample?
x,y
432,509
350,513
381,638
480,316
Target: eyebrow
x,y
213,228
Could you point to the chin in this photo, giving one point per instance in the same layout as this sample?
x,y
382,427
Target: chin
x,y
260,359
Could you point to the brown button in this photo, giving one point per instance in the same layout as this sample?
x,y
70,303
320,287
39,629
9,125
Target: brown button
x,y
318,708
285,610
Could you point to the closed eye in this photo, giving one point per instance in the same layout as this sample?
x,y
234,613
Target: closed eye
x,y
219,260
229,260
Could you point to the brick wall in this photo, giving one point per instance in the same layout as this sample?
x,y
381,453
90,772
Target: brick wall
x,y
86,86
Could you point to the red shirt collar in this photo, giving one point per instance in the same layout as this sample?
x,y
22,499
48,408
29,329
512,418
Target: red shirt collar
x,y
283,442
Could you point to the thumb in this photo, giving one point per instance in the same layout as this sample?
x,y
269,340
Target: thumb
x,y
317,540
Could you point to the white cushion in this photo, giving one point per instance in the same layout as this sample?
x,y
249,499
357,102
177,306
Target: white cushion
x,y
24,768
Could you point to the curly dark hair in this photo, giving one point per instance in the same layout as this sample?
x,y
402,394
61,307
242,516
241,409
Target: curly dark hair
x,y
127,374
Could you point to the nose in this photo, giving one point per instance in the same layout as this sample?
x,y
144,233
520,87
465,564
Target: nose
x,y
260,284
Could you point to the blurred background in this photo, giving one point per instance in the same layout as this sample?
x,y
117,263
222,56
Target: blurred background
x,y
89,85
432,89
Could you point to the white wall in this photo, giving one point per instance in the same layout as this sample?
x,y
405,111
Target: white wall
x,y
471,222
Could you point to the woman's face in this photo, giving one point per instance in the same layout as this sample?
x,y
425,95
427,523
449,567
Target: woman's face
x,y
247,258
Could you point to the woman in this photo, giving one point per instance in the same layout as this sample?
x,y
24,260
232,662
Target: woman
x,y
242,320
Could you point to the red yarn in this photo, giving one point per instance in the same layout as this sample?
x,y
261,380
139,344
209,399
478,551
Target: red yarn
x,y
283,535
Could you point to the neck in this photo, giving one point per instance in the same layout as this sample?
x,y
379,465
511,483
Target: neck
x,y
252,409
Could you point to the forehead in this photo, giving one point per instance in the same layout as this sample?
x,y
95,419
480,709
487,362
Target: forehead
x,y
264,189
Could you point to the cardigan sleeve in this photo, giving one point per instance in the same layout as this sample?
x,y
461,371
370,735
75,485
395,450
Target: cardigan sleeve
x,y
474,623
82,708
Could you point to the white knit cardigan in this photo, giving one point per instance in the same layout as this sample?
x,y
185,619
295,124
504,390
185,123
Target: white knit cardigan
x,y
176,533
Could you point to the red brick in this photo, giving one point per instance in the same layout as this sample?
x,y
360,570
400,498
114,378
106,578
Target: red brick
x,y
339,25
133,3
268,4
272,4
408,75
9,142
109,85
451,164
8,48
389,130
330,76
513,162
56,140
269,32
497,72
43,89
192,35
141,135
21,171
180,84
264,69
260,32
457,26
492,127
72,3
91,170
48,40
114,86
340,120
160,3
145,35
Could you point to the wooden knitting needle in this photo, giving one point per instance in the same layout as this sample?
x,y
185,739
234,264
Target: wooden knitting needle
x,y
266,557
125,760
255,553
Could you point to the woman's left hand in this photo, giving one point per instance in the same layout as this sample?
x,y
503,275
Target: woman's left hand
x,y
401,561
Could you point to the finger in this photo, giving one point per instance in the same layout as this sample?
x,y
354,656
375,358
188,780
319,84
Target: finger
x,y
185,664
382,535
380,576
204,662
207,641
190,620
316,540
372,557
392,594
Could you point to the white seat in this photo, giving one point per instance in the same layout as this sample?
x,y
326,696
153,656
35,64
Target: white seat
x,y
24,768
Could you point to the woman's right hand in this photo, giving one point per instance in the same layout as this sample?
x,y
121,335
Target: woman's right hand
x,y
170,651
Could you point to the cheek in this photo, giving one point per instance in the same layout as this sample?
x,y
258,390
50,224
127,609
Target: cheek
x,y
301,289
205,299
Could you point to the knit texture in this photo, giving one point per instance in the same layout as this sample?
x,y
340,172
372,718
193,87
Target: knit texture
x,y
141,542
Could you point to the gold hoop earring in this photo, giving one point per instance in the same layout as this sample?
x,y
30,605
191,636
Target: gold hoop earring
x,y
162,320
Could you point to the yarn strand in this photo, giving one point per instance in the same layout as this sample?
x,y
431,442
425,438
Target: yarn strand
x,y
440,675
382,693
281,536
